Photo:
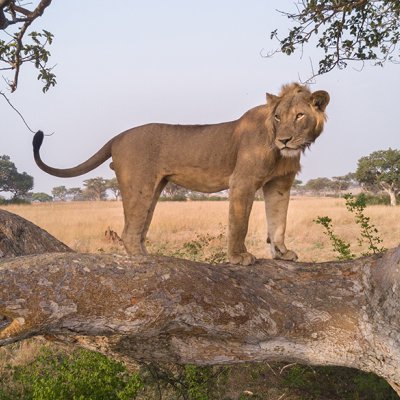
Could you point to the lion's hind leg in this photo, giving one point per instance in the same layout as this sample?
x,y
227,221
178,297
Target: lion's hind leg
x,y
139,197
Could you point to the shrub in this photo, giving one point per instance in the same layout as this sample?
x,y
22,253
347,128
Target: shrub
x,y
82,375
375,199
368,232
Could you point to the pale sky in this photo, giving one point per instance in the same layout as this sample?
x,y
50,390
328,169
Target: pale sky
x,y
182,62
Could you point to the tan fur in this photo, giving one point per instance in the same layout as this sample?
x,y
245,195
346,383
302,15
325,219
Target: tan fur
x,y
259,150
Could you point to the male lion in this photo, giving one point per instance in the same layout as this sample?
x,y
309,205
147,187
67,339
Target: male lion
x,y
259,150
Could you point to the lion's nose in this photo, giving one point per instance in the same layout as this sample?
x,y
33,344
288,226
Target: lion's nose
x,y
285,140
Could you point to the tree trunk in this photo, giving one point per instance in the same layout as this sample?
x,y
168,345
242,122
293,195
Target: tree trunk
x,y
389,189
393,201
169,310
20,237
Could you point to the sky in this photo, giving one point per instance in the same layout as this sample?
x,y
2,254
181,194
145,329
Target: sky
x,y
182,62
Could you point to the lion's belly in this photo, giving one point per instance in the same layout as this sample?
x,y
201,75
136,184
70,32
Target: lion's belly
x,y
200,180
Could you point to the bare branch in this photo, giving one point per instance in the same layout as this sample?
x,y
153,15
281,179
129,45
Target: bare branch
x,y
21,116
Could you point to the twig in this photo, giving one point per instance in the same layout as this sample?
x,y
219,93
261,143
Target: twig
x,y
287,366
23,119
272,370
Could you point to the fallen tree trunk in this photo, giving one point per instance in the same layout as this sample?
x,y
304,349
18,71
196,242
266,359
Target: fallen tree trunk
x,y
169,310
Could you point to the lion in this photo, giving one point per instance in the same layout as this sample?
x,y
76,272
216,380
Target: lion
x,y
261,149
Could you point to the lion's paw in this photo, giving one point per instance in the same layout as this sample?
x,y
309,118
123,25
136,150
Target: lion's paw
x,y
242,259
289,255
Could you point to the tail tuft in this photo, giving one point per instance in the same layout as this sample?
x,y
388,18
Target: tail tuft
x,y
37,141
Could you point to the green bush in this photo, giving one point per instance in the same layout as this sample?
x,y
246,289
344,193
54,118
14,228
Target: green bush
x,y
177,197
4,202
198,382
369,234
337,383
376,199
82,375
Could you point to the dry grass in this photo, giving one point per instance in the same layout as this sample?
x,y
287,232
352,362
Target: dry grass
x,y
81,225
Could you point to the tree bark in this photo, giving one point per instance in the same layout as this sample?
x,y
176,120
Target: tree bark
x,y
170,310
390,190
393,200
20,237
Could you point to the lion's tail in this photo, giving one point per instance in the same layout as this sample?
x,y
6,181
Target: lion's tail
x,y
97,159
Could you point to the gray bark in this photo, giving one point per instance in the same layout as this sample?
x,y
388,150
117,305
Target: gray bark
x,y
393,200
169,310
20,237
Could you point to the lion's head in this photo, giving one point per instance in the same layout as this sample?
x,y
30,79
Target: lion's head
x,y
296,118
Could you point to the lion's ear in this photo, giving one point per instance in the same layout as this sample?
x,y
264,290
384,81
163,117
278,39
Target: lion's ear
x,y
271,98
320,99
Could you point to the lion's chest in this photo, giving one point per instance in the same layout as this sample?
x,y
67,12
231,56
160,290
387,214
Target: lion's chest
x,y
283,167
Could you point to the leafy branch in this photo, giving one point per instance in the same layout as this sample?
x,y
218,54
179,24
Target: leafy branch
x,y
14,49
345,30
339,245
369,233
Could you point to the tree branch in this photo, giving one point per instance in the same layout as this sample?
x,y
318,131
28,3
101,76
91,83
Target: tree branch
x,y
16,60
160,309
345,31
20,237
14,8
3,20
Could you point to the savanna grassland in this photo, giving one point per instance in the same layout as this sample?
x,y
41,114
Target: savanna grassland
x,y
81,225
36,369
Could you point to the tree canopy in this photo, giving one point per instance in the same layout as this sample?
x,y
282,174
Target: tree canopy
x,y
381,170
344,30
96,188
19,184
113,186
41,197
59,193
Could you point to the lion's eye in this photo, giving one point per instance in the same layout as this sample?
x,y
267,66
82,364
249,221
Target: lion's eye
x,y
299,116
277,118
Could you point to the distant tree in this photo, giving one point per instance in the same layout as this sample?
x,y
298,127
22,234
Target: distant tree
x,y
351,177
319,185
96,188
258,196
381,170
41,197
19,184
345,31
297,183
75,193
341,183
173,190
59,193
113,186
7,170
22,184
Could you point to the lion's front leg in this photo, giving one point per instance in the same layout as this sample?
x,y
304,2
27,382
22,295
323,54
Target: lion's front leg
x,y
276,198
241,197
